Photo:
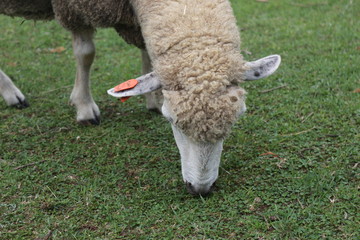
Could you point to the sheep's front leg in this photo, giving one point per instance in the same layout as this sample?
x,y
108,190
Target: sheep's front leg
x,y
155,99
84,51
11,94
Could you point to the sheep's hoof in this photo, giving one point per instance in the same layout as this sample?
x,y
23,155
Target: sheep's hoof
x,y
88,114
96,121
22,103
90,122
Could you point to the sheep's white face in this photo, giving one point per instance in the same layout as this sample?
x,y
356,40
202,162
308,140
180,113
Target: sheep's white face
x,y
200,161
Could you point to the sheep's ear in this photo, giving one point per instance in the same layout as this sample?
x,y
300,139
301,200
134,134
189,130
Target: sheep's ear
x,y
141,85
262,68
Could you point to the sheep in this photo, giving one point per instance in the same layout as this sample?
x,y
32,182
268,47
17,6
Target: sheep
x,y
194,47
192,68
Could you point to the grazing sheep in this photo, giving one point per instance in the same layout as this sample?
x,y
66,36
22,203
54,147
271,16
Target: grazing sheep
x,y
194,47
191,49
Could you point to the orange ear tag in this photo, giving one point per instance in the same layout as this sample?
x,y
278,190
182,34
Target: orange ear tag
x,y
129,84
123,99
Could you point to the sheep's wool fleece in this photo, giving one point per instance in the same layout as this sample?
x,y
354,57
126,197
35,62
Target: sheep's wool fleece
x,y
28,9
78,15
195,49
83,14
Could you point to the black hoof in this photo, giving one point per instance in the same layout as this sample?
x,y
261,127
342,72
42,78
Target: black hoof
x,y
21,104
96,121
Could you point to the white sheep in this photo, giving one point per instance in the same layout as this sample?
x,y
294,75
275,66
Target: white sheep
x,y
192,51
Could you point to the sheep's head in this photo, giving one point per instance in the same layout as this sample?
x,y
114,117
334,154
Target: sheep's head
x,y
200,122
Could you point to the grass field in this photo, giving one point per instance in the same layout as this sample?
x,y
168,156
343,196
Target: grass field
x,y
290,169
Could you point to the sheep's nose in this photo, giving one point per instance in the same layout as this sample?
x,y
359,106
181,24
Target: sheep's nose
x,y
200,190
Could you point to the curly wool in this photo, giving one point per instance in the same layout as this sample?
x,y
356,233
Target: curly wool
x,y
200,93
216,113
195,49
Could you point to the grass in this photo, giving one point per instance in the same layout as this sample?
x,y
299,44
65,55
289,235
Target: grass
x,y
290,169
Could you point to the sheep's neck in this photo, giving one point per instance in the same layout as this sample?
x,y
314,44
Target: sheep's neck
x,y
166,23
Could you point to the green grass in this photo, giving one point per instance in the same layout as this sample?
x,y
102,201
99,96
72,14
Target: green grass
x,y
122,179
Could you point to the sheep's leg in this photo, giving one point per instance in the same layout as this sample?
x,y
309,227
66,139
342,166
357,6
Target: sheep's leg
x,y
84,51
154,100
11,94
